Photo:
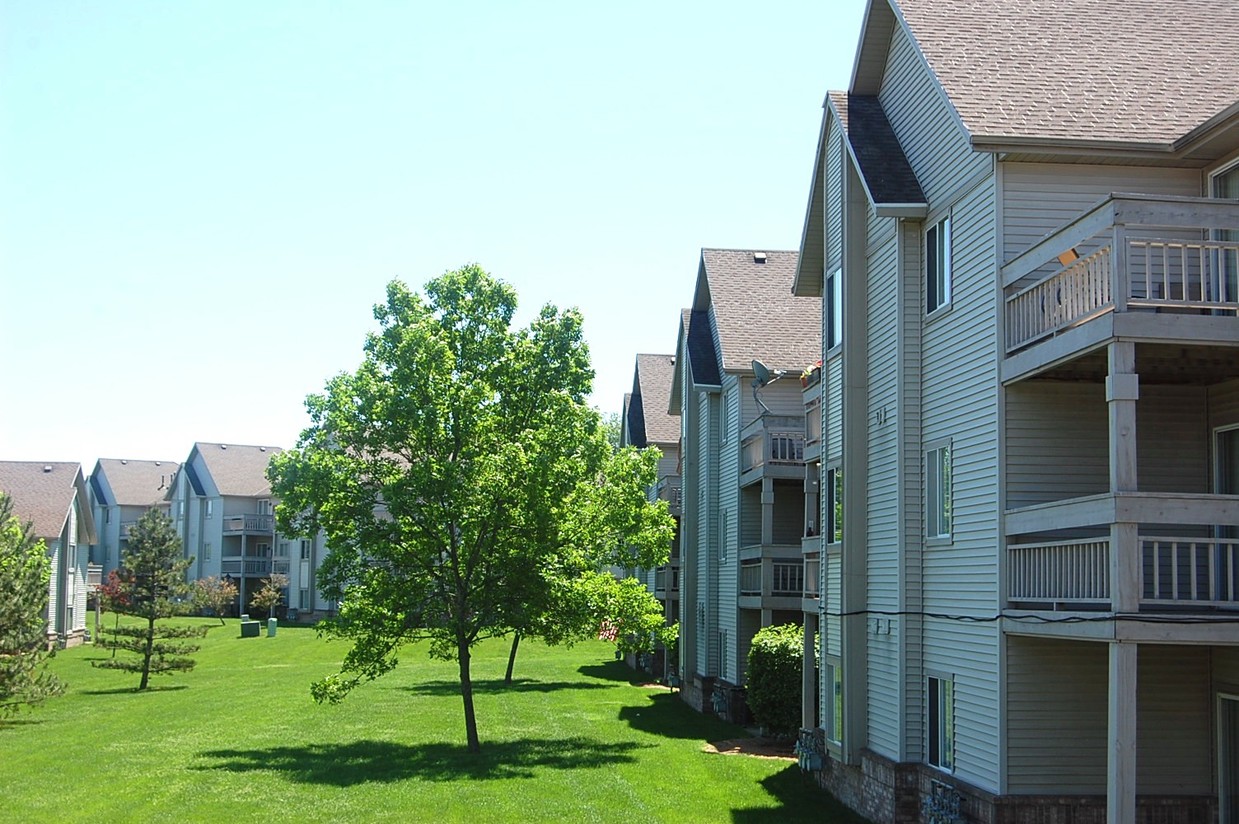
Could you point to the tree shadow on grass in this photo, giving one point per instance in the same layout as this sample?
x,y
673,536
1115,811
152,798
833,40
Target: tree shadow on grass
x,y
796,797
135,690
496,685
615,671
360,762
19,722
668,716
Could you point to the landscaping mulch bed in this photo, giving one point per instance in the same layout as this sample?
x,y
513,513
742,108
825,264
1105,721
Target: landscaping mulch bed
x,y
756,747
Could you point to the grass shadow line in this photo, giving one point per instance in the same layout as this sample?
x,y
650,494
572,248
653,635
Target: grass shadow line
x,y
615,671
361,762
497,686
135,690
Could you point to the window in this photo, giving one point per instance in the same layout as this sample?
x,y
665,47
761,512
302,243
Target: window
x,y
834,309
264,507
107,515
941,715
305,550
264,550
303,598
834,505
210,507
281,549
938,492
938,265
834,699
206,551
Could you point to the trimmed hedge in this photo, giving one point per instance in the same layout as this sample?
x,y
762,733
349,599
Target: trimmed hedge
x,y
773,678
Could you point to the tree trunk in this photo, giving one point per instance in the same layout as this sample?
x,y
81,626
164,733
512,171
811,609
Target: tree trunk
x,y
466,693
146,658
516,640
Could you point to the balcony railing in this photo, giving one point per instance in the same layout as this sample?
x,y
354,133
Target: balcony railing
x,y
772,448
1150,254
1201,572
669,490
813,421
94,576
250,524
248,565
786,579
812,568
665,574
125,527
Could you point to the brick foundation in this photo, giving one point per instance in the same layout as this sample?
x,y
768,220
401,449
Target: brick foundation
x,y
888,792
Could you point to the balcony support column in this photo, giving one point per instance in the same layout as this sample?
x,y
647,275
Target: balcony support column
x,y
1122,392
1121,735
767,511
808,679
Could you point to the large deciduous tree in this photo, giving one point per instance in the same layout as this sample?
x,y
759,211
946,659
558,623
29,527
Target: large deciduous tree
x,y
444,473
152,586
24,574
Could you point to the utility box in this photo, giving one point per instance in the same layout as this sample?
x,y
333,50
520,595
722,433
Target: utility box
x,y
272,623
250,629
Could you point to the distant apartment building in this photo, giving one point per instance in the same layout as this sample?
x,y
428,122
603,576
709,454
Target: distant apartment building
x,y
122,491
52,498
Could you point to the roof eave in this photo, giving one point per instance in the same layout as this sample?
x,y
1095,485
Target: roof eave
x,y
999,144
915,211
810,262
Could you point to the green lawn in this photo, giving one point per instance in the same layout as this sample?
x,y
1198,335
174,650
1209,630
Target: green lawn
x,y
239,739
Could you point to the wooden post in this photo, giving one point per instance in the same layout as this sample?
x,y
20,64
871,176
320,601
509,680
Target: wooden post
x,y
1121,735
1122,392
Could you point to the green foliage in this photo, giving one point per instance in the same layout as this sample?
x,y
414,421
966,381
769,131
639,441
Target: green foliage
x,y
773,677
151,586
271,594
462,482
24,575
216,594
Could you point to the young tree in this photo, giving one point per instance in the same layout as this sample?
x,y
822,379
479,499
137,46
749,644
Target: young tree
x,y
271,594
24,574
773,677
440,472
215,594
152,583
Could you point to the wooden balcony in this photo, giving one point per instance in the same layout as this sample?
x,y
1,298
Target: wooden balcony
x,y
94,576
252,566
251,524
667,582
1132,266
772,446
772,583
1177,560
669,490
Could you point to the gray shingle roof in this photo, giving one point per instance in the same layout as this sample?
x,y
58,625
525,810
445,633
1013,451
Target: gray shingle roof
x,y
136,483
42,493
237,469
1130,71
651,396
885,168
702,359
758,317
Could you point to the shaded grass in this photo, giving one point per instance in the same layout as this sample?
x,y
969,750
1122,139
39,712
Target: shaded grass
x,y
574,739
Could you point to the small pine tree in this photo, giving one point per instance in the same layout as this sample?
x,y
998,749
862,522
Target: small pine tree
x,y
773,677
24,574
152,580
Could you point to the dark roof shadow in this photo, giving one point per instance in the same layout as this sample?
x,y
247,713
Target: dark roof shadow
x,y
614,671
666,715
360,762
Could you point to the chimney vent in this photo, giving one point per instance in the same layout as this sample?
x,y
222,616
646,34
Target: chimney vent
x,y
759,257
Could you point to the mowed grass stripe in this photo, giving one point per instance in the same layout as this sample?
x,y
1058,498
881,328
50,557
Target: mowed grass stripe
x,y
239,738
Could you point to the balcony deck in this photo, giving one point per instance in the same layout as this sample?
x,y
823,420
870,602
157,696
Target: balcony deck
x,y
1138,266
772,583
1178,556
772,446
249,524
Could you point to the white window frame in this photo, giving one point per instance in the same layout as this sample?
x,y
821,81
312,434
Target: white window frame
x,y
834,309
206,551
303,598
938,270
832,712
940,721
939,492
836,488
210,508
305,549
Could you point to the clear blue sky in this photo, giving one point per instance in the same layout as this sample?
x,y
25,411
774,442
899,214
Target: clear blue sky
x,y
200,202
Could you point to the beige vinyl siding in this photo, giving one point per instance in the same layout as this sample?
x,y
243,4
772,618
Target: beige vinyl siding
x,y
55,615
1172,439
728,490
1040,197
969,652
932,138
1056,718
882,527
784,396
831,639
959,386
707,526
832,393
908,423
833,205
1057,443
